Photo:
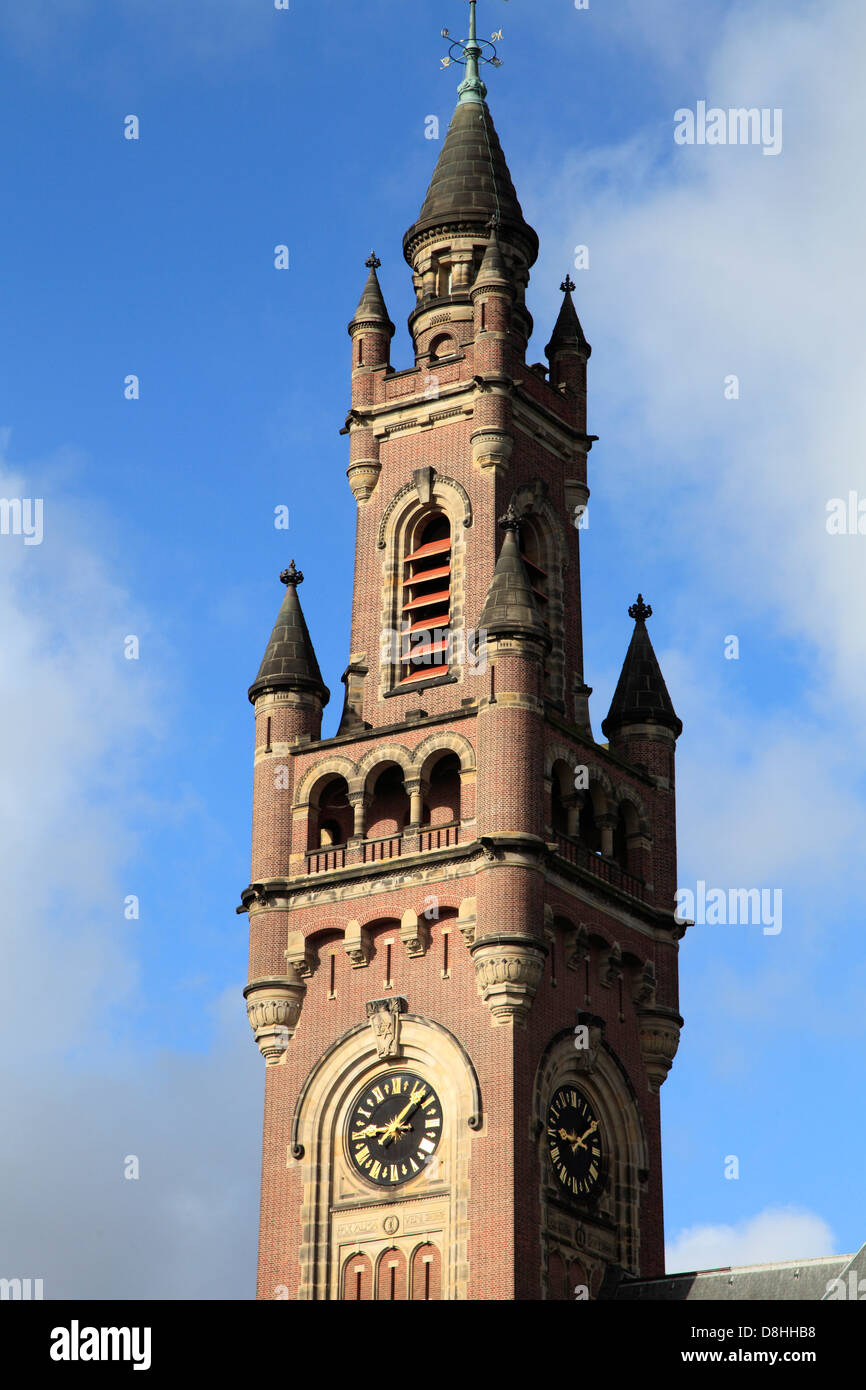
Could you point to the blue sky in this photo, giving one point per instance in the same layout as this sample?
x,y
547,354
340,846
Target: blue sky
x,y
155,257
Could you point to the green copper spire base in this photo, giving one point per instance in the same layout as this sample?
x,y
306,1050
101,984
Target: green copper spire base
x,y
472,89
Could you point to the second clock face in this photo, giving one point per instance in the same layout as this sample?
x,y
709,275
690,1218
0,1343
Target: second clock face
x,y
394,1129
574,1142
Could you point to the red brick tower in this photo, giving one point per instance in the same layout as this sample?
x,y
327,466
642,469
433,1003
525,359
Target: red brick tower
x,y
463,953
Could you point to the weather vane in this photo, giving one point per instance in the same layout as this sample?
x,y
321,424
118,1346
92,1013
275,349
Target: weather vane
x,y
471,53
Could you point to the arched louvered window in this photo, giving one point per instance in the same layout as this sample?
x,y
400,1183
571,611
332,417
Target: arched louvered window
x,y
532,551
426,602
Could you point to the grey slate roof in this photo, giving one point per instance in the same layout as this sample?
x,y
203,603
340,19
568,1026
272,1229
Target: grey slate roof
x,y
471,183
290,662
510,609
371,307
641,696
567,332
791,1280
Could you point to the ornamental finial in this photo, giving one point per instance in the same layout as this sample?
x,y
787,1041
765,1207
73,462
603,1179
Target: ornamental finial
x,y
292,576
510,521
471,53
568,285
640,611
373,261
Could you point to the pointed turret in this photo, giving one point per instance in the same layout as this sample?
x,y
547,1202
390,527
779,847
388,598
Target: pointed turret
x,y
372,313
290,662
641,696
493,272
568,336
510,609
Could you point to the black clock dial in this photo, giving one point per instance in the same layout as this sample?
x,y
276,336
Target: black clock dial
x,y
394,1128
574,1142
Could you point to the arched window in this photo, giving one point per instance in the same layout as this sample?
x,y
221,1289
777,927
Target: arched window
x,y
532,550
442,346
388,812
391,1283
332,818
426,605
590,835
358,1279
426,1274
442,802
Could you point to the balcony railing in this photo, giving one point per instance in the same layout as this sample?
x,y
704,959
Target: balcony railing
x,y
439,836
321,861
388,848
606,869
330,857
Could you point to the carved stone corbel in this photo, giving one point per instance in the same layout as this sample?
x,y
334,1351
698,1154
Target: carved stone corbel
x,y
359,947
466,920
611,966
414,933
300,955
577,947
644,986
507,972
273,1009
659,1034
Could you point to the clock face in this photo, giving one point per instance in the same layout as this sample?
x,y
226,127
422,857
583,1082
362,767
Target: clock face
x,y
394,1128
574,1142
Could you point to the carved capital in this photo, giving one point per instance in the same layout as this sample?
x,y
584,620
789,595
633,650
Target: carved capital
x,y
359,947
507,973
577,947
659,1033
273,1009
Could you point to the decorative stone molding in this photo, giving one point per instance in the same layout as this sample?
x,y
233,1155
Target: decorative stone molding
x,y
363,477
273,1009
414,933
659,1033
507,973
300,955
492,448
587,1043
358,944
466,921
383,1016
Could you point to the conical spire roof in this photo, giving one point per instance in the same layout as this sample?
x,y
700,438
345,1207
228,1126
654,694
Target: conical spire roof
x,y
371,308
567,332
471,184
290,662
641,696
493,270
510,609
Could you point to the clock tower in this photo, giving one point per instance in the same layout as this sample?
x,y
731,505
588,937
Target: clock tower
x,y
463,949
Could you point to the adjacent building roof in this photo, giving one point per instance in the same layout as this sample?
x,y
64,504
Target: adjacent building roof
x,y
789,1280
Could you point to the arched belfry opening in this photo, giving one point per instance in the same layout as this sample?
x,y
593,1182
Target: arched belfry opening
x,y
426,600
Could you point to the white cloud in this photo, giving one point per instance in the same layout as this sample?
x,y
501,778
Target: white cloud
x,y
79,720
778,1233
